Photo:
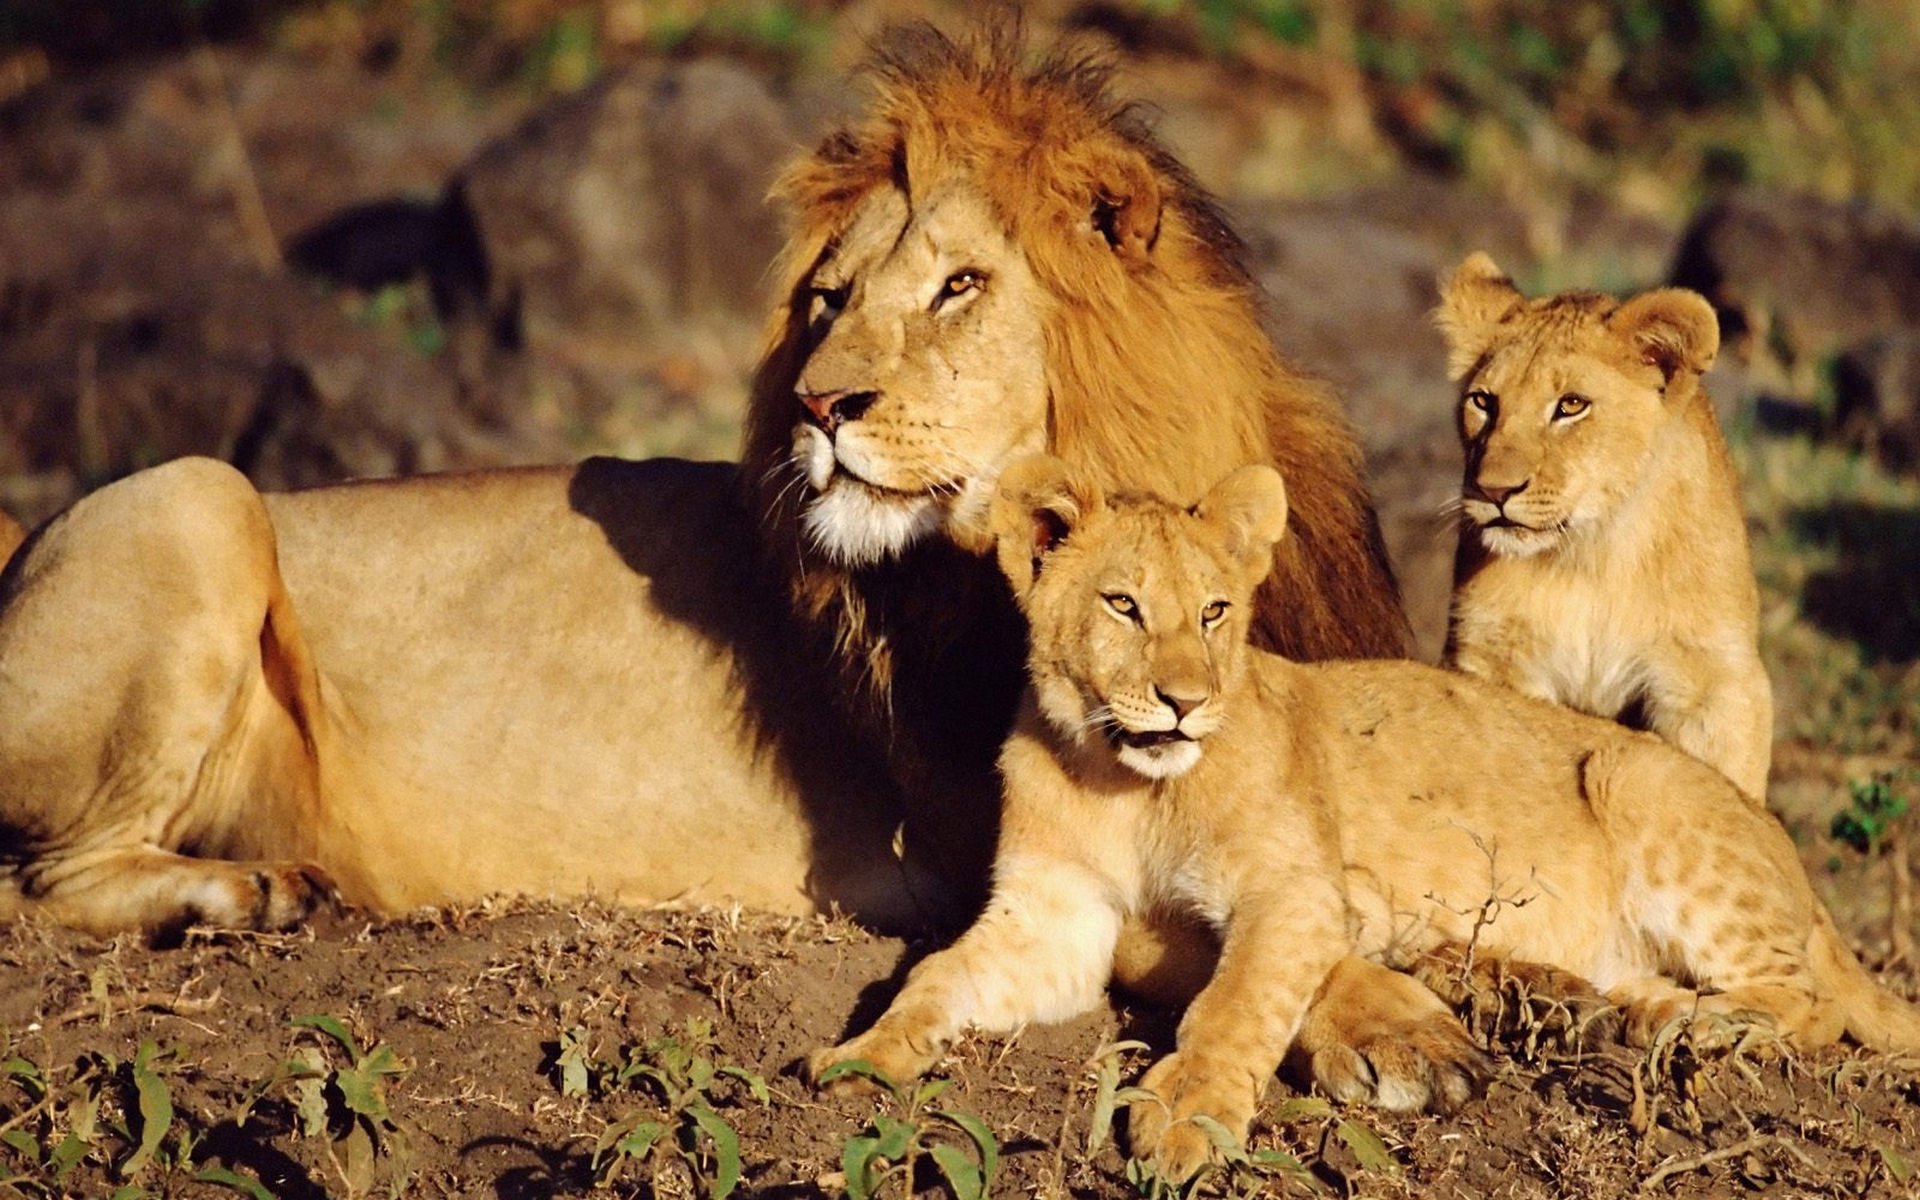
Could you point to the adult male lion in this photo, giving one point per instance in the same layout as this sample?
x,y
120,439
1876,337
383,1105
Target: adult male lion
x,y
781,684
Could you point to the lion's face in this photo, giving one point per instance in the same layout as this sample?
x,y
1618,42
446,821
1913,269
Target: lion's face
x,y
925,374
1137,609
1555,436
1564,400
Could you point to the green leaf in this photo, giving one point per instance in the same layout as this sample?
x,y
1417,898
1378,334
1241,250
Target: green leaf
x,y
1367,1147
962,1175
363,1092
156,1109
359,1152
572,1061
756,1086
64,1157
1302,1108
332,1027
894,1137
930,1091
983,1139
1224,1140
860,1067
233,1180
129,1192
726,1149
22,1142
1896,1165
857,1158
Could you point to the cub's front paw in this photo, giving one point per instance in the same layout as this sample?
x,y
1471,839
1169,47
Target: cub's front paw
x,y
1427,1063
1163,1128
893,1056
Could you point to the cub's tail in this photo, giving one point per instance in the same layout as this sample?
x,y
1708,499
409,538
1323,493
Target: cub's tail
x,y
1874,1017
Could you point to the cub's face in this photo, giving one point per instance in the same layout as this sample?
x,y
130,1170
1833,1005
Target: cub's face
x,y
925,374
1557,430
1564,400
1138,611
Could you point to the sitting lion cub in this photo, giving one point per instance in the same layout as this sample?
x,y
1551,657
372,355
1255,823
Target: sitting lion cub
x,y
1603,561
1310,812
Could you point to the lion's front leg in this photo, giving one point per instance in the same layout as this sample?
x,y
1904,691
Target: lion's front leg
x,y
1042,951
1278,952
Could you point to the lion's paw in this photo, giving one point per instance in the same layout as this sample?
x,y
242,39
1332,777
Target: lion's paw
x,y
892,1056
1162,1127
1427,1064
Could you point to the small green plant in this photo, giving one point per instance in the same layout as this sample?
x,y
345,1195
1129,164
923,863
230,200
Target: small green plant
x,y
887,1153
1876,822
1257,1172
69,1130
679,1075
339,1093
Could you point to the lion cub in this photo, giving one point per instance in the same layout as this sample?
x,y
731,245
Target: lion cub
x,y
1603,556
1314,811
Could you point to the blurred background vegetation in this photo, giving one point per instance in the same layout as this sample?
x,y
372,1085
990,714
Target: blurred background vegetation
x,y
1655,102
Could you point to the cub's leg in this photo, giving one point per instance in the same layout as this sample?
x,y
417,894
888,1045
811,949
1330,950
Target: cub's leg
x,y
1042,951
1710,881
157,703
1722,714
1277,953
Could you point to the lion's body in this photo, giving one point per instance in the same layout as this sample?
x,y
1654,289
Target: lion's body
x,y
660,681
1314,811
1615,577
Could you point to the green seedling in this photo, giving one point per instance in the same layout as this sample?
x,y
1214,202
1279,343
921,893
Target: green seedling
x,y
886,1154
681,1124
339,1093
1256,1172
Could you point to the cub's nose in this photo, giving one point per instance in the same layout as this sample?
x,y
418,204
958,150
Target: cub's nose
x,y
830,410
1179,701
1494,494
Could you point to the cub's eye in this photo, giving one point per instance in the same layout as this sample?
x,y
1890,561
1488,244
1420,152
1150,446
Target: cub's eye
x,y
1211,614
1570,406
1482,403
1123,604
825,301
959,284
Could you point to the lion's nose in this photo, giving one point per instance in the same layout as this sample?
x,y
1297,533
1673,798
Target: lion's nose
x,y
1179,701
1494,494
831,410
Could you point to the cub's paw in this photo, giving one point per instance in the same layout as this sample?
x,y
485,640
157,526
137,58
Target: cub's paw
x,y
1427,1063
1526,1007
1162,1128
893,1057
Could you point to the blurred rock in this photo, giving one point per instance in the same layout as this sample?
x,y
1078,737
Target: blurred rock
x,y
1798,280
615,218
1877,398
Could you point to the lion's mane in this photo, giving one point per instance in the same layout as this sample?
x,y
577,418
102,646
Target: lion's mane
x,y
1159,372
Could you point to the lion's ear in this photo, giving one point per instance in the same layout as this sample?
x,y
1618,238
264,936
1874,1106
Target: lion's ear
x,y
1039,501
1126,204
1671,328
1251,505
1474,297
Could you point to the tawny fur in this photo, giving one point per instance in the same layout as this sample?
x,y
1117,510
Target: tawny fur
x,y
581,680
1311,813
1616,578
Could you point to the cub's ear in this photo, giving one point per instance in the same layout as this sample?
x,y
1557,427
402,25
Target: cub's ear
x,y
1126,202
1474,297
1038,503
1672,328
1251,505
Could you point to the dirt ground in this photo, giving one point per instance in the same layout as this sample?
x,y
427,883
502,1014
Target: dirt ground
x,y
506,1028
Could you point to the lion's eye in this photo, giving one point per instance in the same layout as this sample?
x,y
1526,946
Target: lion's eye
x,y
959,284
825,301
1211,614
1123,604
1570,406
1482,403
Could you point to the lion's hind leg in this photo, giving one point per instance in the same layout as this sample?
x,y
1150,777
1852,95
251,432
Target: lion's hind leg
x,y
156,702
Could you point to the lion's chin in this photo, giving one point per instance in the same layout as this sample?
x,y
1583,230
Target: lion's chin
x,y
858,526
1514,541
1163,761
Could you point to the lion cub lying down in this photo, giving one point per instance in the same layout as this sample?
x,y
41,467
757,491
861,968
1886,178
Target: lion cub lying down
x,y
1311,812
